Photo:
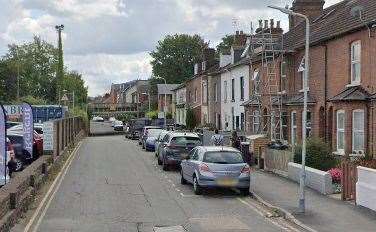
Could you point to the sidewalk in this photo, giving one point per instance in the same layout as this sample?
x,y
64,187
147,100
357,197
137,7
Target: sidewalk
x,y
322,213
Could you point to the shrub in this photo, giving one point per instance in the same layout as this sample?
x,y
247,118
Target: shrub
x,y
318,155
152,114
336,174
190,120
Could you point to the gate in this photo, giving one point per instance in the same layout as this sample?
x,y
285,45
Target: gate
x,y
349,179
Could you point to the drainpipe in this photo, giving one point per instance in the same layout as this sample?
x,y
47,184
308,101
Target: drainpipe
x,y
326,93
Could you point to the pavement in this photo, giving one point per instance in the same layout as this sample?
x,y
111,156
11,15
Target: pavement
x,y
322,212
113,185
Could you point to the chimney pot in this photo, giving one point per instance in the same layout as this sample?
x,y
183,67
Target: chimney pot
x,y
266,23
237,32
272,23
241,32
260,23
278,24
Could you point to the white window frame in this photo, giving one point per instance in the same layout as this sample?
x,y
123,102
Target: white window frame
x,y
355,80
294,127
195,71
356,132
204,93
256,81
203,65
342,130
256,121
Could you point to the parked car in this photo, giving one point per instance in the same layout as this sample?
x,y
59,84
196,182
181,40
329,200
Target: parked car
x,y
10,153
144,134
98,119
10,124
158,141
22,157
37,137
118,125
112,120
38,127
175,145
135,127
214,166
151,139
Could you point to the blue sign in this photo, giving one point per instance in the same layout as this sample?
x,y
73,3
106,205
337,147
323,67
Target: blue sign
x,y
28,128
3,149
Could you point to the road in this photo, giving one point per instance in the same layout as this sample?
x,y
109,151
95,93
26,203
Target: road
x,y
112,185
102,128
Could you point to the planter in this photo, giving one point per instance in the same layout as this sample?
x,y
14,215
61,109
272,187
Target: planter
x,y
366,188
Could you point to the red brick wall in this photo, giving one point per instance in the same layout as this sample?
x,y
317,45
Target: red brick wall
x,y
191,85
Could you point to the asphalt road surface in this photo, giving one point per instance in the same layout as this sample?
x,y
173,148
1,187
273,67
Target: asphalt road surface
x,y
113,185
102,128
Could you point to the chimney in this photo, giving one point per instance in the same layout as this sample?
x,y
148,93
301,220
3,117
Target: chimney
x,y
311,8
276,30
240,38
260,26
266,23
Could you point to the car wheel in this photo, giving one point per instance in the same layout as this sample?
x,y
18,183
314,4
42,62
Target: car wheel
x,y
196,187
19,165
182,180
244,191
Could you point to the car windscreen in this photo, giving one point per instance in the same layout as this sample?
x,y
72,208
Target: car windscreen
x,y
154,132
223,157
185,140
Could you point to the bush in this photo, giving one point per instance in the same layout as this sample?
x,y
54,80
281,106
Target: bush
x,y
190,120
152,114
318,155
336,175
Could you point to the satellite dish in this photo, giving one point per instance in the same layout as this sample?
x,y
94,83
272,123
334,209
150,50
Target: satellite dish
x,y
357,11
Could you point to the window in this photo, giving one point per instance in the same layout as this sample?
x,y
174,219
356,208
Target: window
x,y
341,131
203,67
204,92
241,121
195,71
301,70
225,89
285,129
256,121
355,62
358,131
241,88
232,89
308,124
195,94
283,75
293,128
256,81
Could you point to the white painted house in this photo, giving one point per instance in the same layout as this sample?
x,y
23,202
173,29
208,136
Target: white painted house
x,y
180,104
234,89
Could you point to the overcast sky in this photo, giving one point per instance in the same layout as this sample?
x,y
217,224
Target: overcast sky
x,y
108,41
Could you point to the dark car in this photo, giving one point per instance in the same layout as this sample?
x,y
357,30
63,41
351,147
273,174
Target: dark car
x,y
22,156
144,134
175,146
135,127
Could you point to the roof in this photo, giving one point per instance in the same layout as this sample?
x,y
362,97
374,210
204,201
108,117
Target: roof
x,y
219,148
180,86
298,99
166,88
354,93
335,20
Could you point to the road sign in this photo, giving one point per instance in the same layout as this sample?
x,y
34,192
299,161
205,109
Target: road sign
x,y
48,136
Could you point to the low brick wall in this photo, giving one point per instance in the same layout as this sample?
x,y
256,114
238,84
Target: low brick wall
x,y
17,196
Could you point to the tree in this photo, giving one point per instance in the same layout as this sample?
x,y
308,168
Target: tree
x,y
73,82
190,119
225,44
175,56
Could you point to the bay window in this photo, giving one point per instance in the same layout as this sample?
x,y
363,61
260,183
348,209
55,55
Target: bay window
x,y
358,131
341,131
256,121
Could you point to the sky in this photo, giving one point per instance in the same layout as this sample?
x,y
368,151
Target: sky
x,y
109,41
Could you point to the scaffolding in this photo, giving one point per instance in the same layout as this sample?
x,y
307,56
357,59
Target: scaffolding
x,y
266,46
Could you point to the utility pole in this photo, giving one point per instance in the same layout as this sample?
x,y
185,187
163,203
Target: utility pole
x,y
18,76
60,66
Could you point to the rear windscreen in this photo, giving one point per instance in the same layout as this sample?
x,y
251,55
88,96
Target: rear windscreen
x,y
224,157
154,132
185,140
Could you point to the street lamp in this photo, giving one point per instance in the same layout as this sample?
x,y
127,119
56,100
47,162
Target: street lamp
x,y
147,94
305,89
165,102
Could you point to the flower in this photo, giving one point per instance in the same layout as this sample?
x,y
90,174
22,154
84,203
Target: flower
x,y
336,174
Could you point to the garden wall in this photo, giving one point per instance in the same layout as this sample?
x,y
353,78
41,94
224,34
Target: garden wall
x,y
277,161
366,187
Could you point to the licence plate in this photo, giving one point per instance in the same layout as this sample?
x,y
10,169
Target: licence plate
x,y
227,182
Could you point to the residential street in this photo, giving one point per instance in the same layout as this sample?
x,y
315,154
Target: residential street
x,y
113,185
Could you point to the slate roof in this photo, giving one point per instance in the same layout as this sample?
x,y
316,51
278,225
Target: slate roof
x,y
335,20
355,93
166,89
298,99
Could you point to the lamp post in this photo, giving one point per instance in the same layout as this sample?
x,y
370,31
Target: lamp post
x,y
305,89
165,102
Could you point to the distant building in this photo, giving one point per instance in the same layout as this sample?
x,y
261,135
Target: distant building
x,y
165,90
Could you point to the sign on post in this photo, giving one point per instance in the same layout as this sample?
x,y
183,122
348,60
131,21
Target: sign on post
x,y
28,128
48,136
3,150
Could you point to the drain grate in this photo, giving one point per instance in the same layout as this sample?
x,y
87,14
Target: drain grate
x,y
169,229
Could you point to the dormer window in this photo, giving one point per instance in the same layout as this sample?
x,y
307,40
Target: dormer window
x,y
195,71
203,66
355,62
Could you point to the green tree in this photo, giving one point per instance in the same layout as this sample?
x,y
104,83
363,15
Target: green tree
x,y
175,56
36,63
190,120
73,82
225,43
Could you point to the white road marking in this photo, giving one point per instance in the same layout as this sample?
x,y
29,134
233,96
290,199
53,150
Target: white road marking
x,y
50,193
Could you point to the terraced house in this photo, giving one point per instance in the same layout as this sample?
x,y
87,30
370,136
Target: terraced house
x,y
342,78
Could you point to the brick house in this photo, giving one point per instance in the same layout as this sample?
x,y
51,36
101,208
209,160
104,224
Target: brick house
x,y
341,83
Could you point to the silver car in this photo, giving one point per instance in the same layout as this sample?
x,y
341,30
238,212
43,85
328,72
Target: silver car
x,y
214,166
158,141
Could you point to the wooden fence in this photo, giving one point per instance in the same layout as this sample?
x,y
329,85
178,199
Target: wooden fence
x,y
349,179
